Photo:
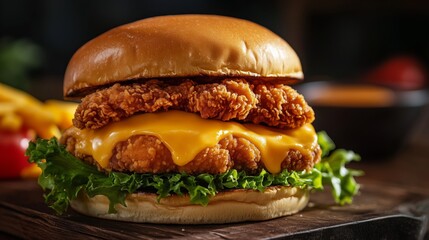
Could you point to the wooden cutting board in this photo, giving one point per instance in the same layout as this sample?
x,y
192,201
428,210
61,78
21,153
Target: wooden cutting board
x,y
379,211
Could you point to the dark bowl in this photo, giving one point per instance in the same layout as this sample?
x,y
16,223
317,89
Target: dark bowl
x,y
375,132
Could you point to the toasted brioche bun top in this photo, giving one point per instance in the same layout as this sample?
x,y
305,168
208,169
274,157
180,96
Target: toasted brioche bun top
x,y
181,46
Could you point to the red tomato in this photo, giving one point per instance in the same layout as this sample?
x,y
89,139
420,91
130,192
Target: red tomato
x,y
402,72
12,150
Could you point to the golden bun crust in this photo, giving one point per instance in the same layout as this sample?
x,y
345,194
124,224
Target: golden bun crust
x,y
225,207
181,46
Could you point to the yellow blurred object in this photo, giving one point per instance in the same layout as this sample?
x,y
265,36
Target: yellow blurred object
x,y
9,120
32,112
32,171
6,108
63,112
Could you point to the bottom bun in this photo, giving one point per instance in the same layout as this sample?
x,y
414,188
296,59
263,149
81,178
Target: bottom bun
x,y
226,207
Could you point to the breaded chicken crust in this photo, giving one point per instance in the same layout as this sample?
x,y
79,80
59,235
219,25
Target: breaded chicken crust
x,y
275,105
147,154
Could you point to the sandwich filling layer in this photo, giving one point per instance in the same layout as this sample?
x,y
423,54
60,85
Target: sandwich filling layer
x,y
186,135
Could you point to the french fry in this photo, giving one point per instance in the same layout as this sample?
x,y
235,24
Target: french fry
x,y
7,108
41,121
63,111
32,112
11,122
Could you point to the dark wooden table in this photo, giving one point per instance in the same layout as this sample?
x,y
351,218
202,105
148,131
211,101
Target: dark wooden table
x,y
393,204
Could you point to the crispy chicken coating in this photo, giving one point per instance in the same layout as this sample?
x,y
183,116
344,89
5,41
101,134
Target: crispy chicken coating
x,y
275,105
147,154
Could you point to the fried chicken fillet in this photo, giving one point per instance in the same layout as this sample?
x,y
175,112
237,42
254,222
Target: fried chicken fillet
x,y
275,105
147,154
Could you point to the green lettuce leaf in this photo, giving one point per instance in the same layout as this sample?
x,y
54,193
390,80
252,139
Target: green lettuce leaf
x,y
64,176
334,173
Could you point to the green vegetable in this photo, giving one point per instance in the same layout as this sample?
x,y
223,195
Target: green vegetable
x,y
334,173
64,176
17,58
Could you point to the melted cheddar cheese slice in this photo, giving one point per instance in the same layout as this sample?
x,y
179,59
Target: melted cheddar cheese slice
x,y
186,134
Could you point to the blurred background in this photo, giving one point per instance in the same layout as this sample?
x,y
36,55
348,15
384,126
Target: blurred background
x,y
334,39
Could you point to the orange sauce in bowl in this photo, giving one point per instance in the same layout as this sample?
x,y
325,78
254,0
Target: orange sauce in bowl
x,y
351,96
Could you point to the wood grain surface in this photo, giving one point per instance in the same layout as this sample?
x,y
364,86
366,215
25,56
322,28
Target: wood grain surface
x,y
379,209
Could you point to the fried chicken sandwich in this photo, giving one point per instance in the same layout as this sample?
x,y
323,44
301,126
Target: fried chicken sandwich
x,y
184,119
